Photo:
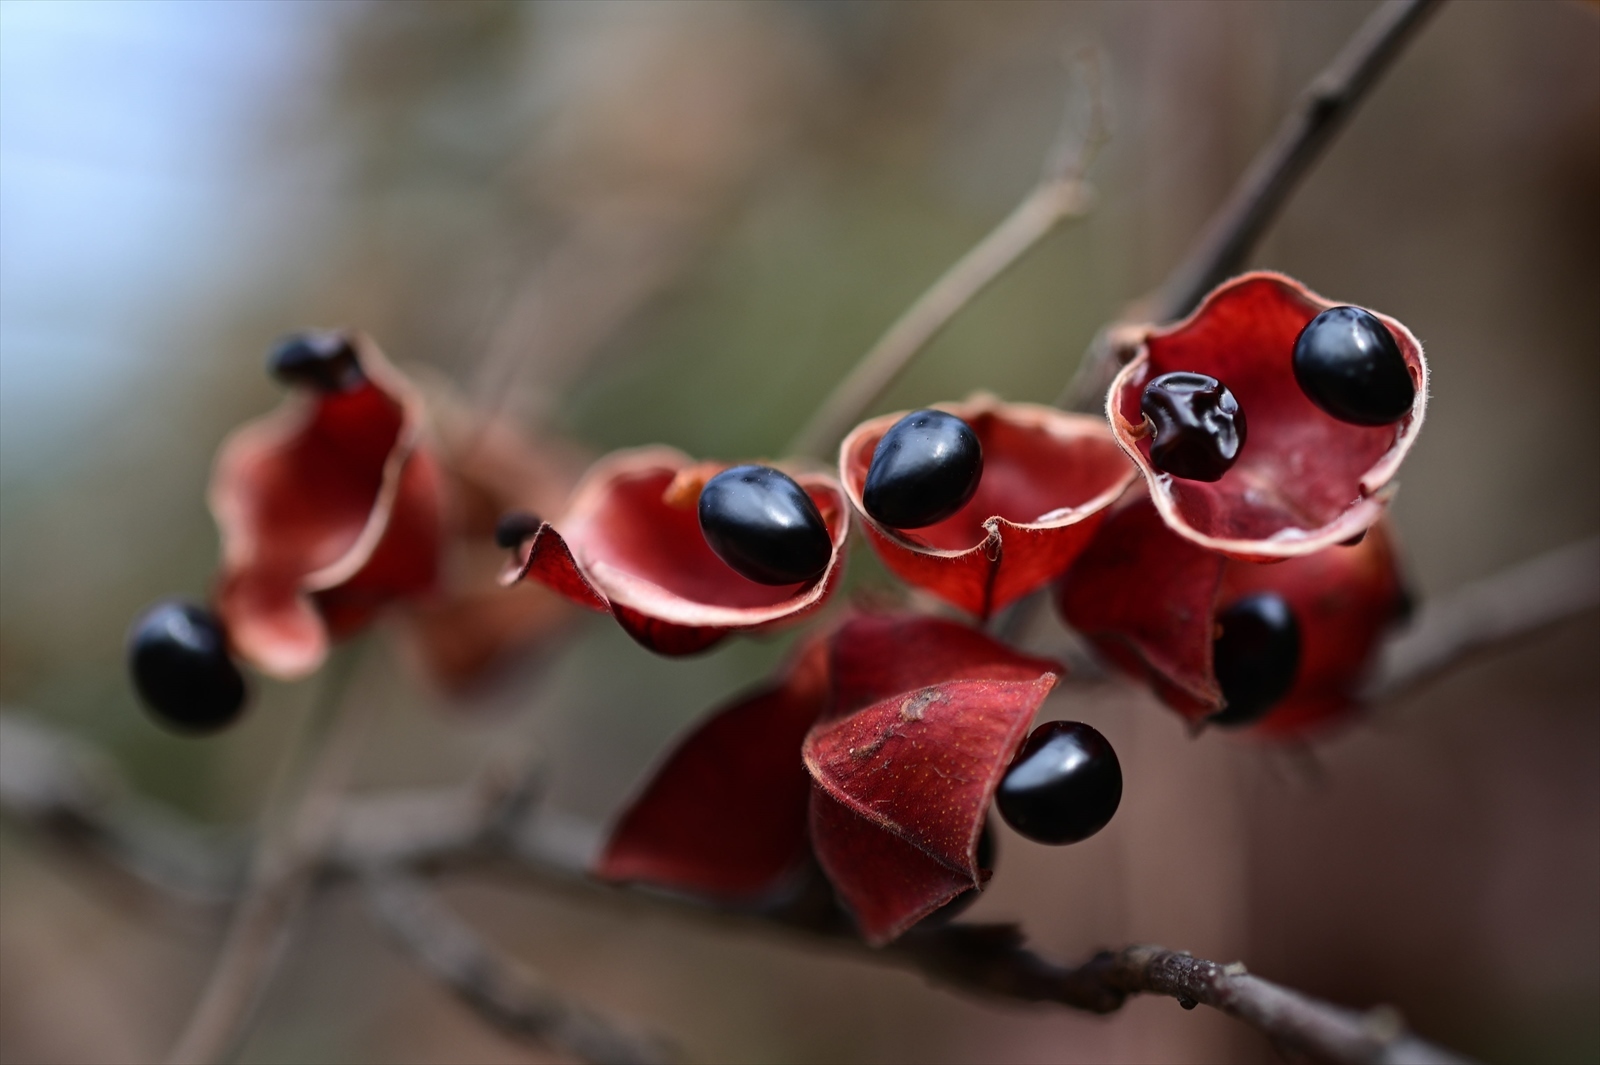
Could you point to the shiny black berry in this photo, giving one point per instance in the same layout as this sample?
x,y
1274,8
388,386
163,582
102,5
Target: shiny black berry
x,y
1256,656
1063,785
761,523
318,359
1348,364
987,849
926,467
514,527
1197,424
179,660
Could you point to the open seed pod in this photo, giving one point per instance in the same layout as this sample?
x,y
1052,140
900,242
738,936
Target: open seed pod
x,y
926,717
329,508
1304,480
906,724
630,544
466,634
1048,477
724,814
1150,600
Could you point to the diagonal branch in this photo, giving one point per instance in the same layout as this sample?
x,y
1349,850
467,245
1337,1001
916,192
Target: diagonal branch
x,y
50,784
1060,194
1488,613
1225,243
306,802
497,987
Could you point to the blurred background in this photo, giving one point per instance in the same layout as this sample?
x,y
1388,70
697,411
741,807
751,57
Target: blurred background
x,y
625,223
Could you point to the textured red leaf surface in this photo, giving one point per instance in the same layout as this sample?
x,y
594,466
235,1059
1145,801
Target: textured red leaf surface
x,y
875,656
934,711
725,814
1048,477
1304,480
1148,599
630,545
904,781
472,625
329,508
1345,599
888,883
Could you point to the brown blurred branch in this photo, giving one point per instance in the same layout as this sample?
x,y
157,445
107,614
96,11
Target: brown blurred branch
x,y
499,988
1488,613
306,802
1060,194
54,786
1234,228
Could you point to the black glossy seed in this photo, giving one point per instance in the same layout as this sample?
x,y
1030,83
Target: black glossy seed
x,y
1063,785
514,527
761,523
1406,605
179,660
987,848
926,467
1256,657
1348,364
319,359
1199,428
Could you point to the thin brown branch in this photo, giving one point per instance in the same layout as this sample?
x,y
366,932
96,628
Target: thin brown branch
x,y
497,987
307,802
992,959
1492,612
1225,244
1060,194
433,830
59,789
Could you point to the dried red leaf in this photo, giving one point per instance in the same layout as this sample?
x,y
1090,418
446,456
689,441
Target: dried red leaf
x,y
904,782
725,814
472,626
1304,480
1345,599
628,546
875,656
1148,599
1048,477
889,883
895,829
329,508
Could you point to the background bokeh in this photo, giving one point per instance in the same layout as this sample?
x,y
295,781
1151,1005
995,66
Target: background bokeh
x,y
681,222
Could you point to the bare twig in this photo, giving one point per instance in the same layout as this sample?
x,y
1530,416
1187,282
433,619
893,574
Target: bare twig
x,y
58,784
1060,194
1228,238
1494,611
497,987
992,959
283,867
431,831
56,787
987,960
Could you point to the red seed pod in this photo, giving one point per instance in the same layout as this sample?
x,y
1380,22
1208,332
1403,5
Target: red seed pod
x,y
1345,600
465,633
926,715
903,786
907,725
1149,600
329,508
630,543
1048,477
1304,480
725,813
